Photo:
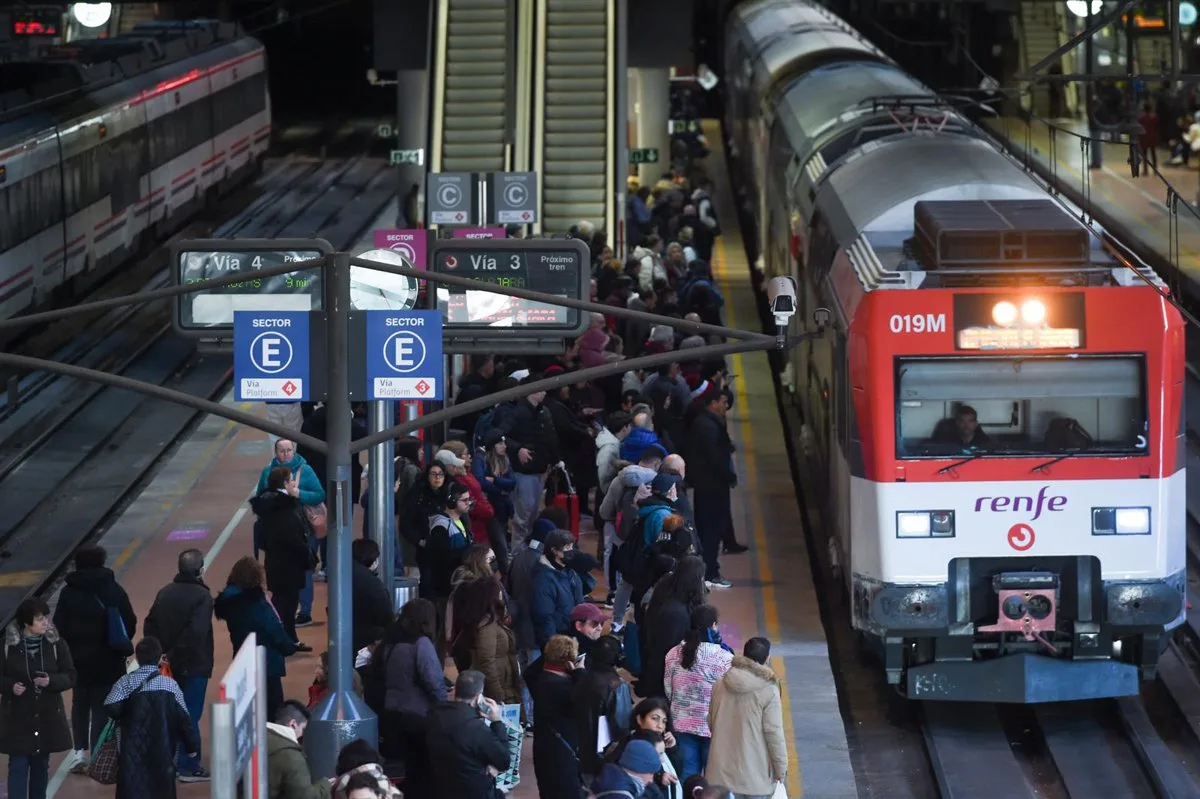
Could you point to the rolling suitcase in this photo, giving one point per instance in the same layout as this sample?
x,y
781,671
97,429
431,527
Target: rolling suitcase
x,y
568,501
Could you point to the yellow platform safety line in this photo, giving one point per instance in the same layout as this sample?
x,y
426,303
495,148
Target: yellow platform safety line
x,y
189,479
795,786
21,579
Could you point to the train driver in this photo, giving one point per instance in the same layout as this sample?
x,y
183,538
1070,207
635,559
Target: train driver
x,y
965,432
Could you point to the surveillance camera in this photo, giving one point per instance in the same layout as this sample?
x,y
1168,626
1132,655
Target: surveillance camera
x,y
781,293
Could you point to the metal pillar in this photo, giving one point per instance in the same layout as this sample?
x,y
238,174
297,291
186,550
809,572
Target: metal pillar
x,y
382,500
653,116
1095,146
341,716
618,238
412,122
222,746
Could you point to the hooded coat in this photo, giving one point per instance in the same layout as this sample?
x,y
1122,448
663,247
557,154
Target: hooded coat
x,y
248,612
746,716
152,722
34,722
81,619
631,485
288,776
636,442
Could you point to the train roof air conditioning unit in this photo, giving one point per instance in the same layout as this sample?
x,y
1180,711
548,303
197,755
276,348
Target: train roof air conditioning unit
x,y
998,234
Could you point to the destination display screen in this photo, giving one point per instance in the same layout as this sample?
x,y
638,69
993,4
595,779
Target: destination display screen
x,y
558,270
1019,321
213,308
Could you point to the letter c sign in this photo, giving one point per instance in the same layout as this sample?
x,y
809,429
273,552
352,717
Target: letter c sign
x,y
1021,537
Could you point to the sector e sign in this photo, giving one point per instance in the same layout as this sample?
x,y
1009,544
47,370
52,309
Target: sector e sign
x,y
209,312
551,266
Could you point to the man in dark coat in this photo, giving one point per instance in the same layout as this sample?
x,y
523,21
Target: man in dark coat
x,y
372,603
710,470
532,449
152,720
82,620
181,619
467,742
286,554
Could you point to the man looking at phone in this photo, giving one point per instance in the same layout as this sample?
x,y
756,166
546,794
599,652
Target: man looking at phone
x,y
468,743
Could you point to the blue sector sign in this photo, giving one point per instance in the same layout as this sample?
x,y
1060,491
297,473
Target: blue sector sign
x,y
270,356
404,355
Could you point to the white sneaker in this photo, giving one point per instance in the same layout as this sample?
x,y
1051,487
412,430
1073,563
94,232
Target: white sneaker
x,y
79,761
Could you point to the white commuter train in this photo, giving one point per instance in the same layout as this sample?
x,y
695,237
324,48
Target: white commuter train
x,y
110,144
1000,459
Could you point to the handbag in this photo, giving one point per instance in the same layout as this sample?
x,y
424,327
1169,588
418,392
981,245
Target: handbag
x,y
118,636
318,517
105,756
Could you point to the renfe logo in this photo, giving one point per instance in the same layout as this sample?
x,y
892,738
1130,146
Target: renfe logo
x,y
1034,505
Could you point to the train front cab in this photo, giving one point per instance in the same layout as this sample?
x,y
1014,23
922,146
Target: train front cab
x,y
1042,559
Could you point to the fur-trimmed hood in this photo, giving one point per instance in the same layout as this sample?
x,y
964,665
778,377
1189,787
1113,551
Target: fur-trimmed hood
x,y
13,634
745,676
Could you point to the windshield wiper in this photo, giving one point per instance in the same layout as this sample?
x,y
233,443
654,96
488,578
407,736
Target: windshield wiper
x,y
1053,461
956,464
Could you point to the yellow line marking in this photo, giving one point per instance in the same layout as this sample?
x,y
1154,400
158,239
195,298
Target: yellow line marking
x,y
21,579
189,479
795,784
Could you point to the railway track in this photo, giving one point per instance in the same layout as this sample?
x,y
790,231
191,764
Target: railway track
x,y
72,452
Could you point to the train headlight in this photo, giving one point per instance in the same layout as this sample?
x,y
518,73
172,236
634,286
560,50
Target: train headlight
x,y
1120,521
1033,312
1004,313
925,524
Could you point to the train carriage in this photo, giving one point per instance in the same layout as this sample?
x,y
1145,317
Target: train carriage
x,y
1001,457
116,142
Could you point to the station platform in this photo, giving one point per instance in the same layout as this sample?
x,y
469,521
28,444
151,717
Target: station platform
x,y
1138,206
200,499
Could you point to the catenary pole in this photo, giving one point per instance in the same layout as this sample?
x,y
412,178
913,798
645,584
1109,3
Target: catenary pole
x,y
342,716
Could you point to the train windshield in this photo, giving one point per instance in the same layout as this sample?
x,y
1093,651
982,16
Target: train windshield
x,y
1021,406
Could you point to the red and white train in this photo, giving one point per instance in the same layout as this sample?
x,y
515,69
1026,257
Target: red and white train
x,y
113,143
996,410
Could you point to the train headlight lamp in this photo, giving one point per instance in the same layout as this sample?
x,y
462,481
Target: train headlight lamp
x,y
1004,313
925,524
92,15
1033,312
1120,521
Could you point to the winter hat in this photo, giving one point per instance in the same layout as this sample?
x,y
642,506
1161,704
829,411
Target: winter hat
x,y
640,757
663,482
541,528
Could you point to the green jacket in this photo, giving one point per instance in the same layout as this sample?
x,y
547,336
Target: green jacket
x,y
288,776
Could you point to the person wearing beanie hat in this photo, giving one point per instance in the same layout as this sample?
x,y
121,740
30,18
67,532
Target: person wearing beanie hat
x,y
631,776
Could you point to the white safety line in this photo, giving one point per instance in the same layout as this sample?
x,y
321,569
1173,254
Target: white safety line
x,y
64,768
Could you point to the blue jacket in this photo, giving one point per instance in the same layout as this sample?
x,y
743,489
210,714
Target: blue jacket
x,y
311,490
249,612
636,442
556,592
498,491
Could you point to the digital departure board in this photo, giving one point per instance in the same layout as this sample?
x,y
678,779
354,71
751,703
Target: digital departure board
x,y
210,311
551,266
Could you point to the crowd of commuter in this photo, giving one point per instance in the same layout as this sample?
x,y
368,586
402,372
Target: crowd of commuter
x,y
627,690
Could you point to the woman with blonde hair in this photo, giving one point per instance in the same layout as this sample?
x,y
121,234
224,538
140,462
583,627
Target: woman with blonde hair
x,y
243,606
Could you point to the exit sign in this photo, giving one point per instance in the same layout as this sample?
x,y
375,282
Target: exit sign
x,y
398,157
644,155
